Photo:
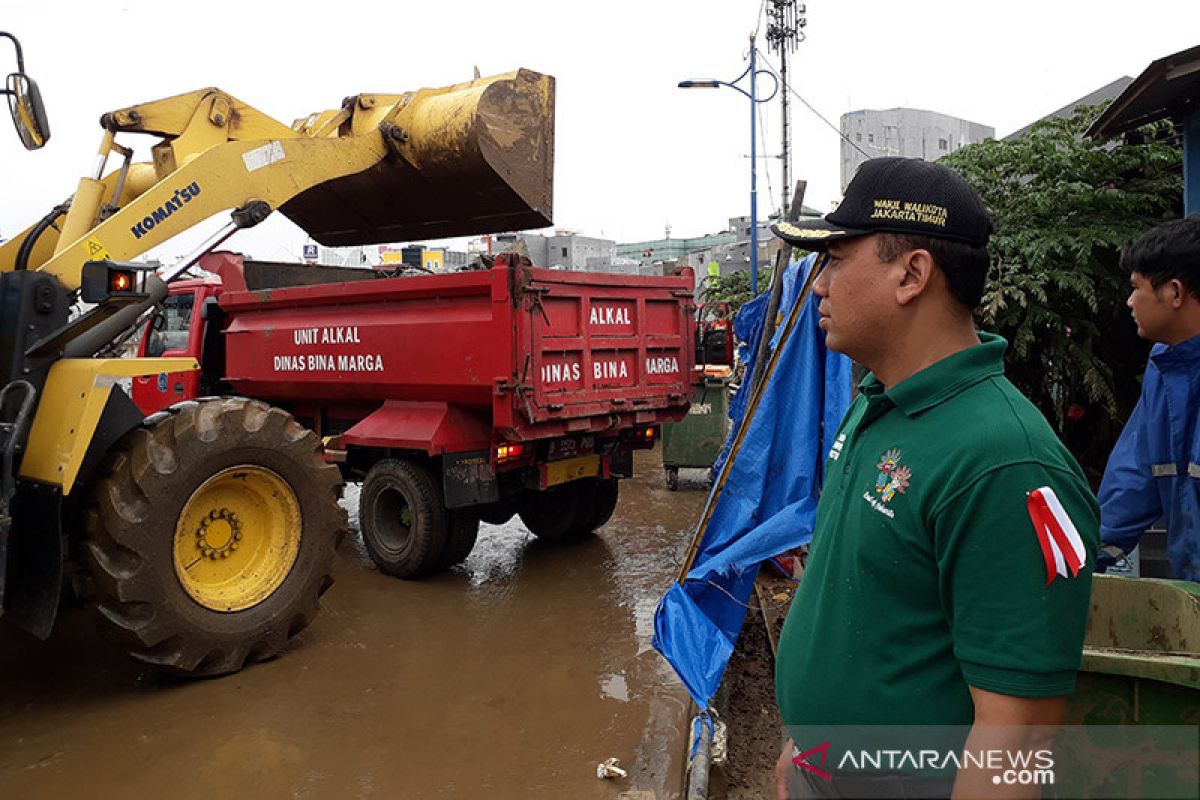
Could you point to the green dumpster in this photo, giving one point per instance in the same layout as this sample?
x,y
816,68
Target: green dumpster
x,y
696,440
1132,720
1141,657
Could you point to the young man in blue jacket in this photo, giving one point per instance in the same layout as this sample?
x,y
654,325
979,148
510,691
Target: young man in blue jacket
x,y
1154,470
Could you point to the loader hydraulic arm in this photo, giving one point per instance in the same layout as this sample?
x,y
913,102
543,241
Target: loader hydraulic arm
x,y
470,158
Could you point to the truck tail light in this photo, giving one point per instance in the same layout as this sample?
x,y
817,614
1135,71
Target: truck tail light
x,y
507,452
645,436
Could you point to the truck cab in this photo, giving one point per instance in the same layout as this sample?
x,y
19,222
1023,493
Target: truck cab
x,y
178,329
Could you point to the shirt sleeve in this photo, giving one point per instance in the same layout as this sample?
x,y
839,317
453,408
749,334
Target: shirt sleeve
x,y
1129,501
1013,633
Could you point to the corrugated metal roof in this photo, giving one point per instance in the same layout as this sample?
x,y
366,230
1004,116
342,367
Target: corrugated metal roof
x,y
1106,92
1168,87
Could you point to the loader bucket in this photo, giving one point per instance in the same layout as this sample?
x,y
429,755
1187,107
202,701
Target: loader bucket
x,y
470,159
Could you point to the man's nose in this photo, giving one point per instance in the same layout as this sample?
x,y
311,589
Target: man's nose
x,y
1129,300
821,285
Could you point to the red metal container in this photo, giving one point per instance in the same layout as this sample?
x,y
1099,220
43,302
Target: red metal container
x,y
528,353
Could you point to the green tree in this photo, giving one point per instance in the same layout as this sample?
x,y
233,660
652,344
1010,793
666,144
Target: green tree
x,y
1064,206
734,288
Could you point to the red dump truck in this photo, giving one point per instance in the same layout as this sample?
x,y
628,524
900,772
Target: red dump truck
x,y
455,397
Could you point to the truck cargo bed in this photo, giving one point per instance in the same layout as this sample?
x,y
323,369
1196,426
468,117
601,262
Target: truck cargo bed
x,y
545,352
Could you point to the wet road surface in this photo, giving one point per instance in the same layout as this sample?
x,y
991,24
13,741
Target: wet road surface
x,y
510,677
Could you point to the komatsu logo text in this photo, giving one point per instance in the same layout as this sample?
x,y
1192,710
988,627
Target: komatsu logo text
x,y
168,208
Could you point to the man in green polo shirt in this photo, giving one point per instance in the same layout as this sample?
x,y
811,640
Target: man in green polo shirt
x,y
950,571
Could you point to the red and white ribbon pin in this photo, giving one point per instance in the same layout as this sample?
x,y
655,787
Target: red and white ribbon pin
x,y
1062,547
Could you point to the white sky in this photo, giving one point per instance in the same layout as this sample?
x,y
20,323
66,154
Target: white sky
x,y
633,152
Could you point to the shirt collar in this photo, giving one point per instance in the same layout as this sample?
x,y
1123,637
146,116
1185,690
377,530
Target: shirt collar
x,y
1185,353
939,382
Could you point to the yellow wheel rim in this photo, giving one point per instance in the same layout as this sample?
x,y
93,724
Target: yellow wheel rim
x,y
237,538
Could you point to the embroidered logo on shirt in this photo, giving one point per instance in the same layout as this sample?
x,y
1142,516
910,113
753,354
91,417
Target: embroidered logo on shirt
x,y
1062,547
892,476
835,452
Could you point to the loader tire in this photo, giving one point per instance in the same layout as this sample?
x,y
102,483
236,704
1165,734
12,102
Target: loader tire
x,y
403,519
560,514
211,535
462,531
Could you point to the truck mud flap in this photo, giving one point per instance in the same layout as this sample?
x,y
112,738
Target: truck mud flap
x,y
468,480
33,550
620,463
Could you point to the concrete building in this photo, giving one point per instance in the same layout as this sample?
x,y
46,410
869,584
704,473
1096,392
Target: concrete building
x,y
699,249
564,250
658,250
908,132
712,254
343,257
573,252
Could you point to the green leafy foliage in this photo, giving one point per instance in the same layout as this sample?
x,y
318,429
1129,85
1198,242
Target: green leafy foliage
x,y
1064,206
734,288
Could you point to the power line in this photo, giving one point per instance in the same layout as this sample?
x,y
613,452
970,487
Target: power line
x,y
810,107
762,135
761,13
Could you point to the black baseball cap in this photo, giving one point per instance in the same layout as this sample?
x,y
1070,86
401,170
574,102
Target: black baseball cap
x,y
898,195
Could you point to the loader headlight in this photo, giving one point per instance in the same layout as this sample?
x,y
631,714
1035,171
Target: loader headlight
x,y
120,281
104,279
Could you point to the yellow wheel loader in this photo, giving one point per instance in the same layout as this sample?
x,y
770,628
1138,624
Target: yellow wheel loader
x,y
123,509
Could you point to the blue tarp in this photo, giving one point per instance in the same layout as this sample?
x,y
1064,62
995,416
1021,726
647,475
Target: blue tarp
x,y
769,501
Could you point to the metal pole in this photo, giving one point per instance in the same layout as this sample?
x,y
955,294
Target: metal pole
x,y
782,261
753,174
786,156
698,771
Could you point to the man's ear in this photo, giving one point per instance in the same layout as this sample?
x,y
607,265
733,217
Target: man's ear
x,y
918,268
1175,292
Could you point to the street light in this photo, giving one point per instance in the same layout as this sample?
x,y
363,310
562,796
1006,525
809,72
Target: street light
x,y
752,72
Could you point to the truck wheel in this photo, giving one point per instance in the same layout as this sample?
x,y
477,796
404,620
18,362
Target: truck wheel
x,y
403,521
462,531
604,501
559,514
212,534
496,513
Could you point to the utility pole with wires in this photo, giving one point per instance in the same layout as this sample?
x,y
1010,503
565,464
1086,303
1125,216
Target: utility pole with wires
x,y
784,31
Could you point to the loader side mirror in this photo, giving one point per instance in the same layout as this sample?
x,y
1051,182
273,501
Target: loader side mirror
x,y
28,113
25,102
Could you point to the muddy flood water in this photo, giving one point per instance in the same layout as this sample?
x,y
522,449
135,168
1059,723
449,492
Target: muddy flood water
x,y
512,676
